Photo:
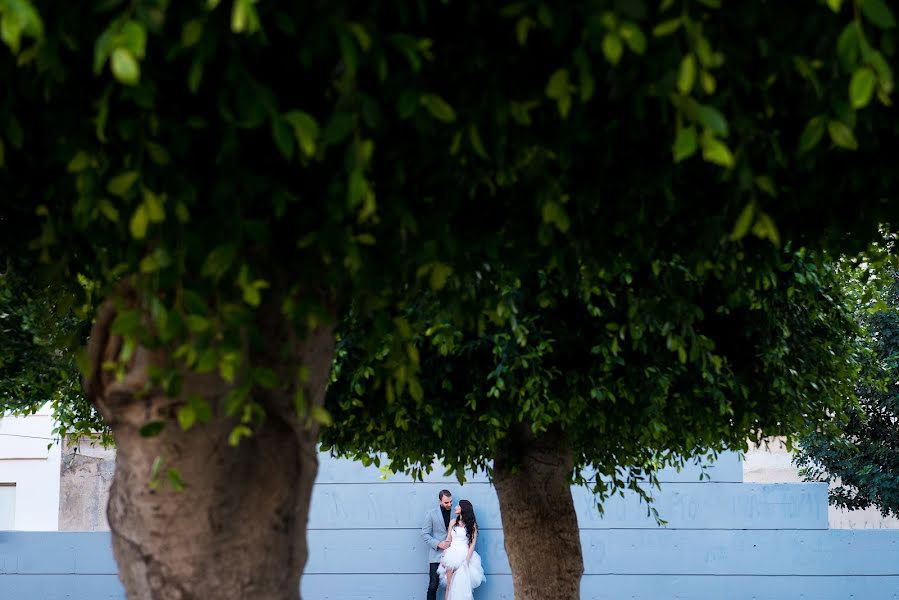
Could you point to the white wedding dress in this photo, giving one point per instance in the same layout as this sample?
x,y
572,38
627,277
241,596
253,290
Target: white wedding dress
x,y
466,577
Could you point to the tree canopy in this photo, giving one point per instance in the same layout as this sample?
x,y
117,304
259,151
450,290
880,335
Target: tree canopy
x,y
857,453
176,154
641,367
218,186
38,331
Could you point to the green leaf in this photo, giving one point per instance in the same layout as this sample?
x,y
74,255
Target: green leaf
x,y
555,214
218,261
11,32
883,70
155,206
126,323
139,223
848,45
14,131
407,103
612,47
207,361
265,378
134,38
438,107
155,260
196,323
633,37
861,88
522,27
415,390
361,35
121,183
152,429
156,467
765,228
685,143
811,134
878,13
125,67
686,75
708,82
244,17
305,130
252,295
108,210
283,136
194,303
744,221
182,213
559,88
439,274
321,415
715,151
587,82
175,480
201,407
158,154
712,119
79,162
83,362
835,5
474,136
239,432
841,135
558,85
191,33
186,416
195,75
339,127
766,184
666,27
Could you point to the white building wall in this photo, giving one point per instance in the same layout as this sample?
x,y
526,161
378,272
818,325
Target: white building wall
x,y
774,464
28,463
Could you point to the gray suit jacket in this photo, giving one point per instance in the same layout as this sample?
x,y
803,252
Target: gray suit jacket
x,y
433,532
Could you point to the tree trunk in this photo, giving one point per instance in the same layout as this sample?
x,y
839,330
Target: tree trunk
x,y
542,538
238,528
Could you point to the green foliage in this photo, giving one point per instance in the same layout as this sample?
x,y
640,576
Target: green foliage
x,y
642,363
856,450
38,338
30,370
207,165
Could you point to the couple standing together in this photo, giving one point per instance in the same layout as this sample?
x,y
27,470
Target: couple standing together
x,y
451,536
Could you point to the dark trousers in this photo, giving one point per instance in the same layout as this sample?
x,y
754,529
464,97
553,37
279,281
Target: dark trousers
x,y
433,582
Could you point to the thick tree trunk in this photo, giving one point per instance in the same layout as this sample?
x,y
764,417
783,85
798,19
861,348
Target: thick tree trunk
x,y
540,527
238,529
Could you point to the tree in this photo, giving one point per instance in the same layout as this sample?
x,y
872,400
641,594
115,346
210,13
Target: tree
x,y
858,452
31,372
219,183
628,372
34,326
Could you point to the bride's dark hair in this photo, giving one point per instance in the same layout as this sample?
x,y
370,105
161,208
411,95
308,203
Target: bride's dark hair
x,y
466,515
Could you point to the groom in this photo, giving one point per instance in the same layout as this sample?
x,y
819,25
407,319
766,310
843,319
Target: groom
x,y
434,534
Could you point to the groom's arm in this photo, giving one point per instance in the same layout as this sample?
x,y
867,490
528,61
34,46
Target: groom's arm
x,y
429,539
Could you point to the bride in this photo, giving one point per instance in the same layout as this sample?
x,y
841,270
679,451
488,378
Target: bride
x,y
460,569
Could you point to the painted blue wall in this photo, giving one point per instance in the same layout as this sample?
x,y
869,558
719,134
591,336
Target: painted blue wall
x,y
724,539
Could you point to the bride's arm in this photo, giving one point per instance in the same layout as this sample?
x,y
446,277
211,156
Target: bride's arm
x,y
474,540
449,531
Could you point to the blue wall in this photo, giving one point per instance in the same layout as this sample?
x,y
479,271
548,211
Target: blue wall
x,y
725,539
